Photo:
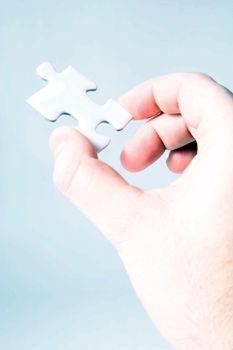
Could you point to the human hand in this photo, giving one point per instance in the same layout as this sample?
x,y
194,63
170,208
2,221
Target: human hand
x,y
176,242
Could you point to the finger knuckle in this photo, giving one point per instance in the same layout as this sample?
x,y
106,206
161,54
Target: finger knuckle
x,y
194,76
201,75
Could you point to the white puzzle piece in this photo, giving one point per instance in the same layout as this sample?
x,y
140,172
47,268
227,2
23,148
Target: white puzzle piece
x,y
66,94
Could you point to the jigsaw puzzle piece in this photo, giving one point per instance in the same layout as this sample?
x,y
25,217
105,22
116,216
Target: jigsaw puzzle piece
x,y
66,93
58,96
48,101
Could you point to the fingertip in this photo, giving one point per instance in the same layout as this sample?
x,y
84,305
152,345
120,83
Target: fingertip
x,y
174,166
178,160
143,149
121,100
128,162
125,102
61,135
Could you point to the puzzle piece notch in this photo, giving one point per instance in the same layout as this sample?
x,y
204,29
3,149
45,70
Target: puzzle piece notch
x,y
65,93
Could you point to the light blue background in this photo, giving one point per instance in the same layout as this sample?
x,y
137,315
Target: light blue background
x,y
61,284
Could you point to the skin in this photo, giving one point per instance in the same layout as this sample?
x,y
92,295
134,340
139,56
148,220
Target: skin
x,y
176,242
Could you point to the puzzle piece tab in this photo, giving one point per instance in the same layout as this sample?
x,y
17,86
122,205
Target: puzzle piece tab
x,y
66,94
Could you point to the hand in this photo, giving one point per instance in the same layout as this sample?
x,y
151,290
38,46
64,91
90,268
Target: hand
x,y
176,242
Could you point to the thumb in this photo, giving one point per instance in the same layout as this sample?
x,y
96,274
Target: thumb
x,y
93,186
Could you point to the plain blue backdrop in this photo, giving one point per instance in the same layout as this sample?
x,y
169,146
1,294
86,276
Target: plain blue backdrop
x,y
62,285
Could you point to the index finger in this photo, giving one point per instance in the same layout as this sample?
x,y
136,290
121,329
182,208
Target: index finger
x,y
195,96
143,101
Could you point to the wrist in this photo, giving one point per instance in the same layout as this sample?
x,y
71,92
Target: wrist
x,y
210,326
